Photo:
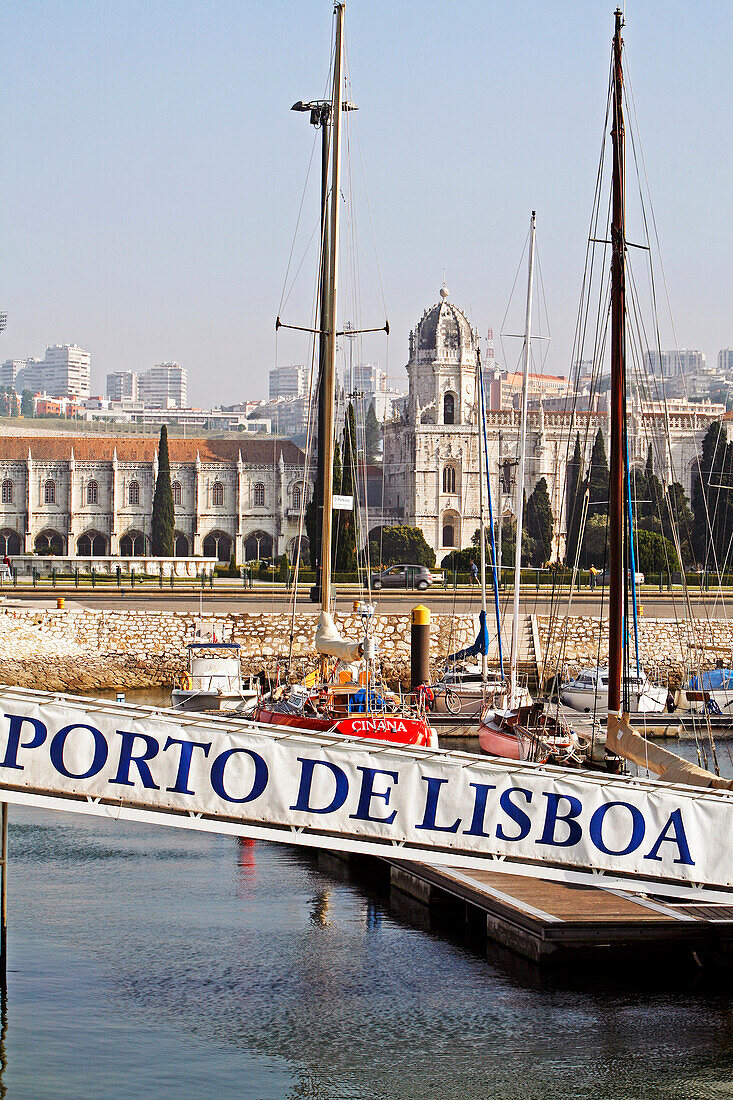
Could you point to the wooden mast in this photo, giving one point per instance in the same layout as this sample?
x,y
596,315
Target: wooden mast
x,y
329,380
618,383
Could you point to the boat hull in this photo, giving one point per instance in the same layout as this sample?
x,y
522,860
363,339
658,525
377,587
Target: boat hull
x,y
379,727
199,702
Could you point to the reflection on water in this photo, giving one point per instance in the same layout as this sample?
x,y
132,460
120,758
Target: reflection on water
x,y
154,962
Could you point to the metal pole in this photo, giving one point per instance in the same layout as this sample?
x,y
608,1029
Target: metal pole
x,y
329,385
500,499
482,517
324,115
618,370
520,472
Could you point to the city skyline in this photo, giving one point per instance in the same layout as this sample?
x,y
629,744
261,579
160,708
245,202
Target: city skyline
x,y
163,231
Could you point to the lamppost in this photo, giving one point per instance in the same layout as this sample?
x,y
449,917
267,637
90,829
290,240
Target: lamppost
x,y
320,117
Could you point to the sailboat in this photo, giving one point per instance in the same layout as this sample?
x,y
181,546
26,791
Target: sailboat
x,y
345,694
518,728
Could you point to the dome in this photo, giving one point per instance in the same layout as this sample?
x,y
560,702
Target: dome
x,y
444,329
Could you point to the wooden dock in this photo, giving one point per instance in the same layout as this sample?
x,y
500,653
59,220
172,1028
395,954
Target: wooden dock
x,y
549,921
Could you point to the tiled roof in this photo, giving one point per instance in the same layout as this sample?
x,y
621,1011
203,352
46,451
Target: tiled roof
x,y
54,448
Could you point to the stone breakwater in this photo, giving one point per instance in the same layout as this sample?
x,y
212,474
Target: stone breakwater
x,y
666,646
88,650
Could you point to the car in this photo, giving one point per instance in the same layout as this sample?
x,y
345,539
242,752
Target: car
x,y
405,576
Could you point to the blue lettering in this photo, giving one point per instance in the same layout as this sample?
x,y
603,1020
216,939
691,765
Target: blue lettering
x,y
98,760
479,809
127,759
679,838
519,817
258,784
637,828
14,742
367,793
184,762
306,781
431,807
552,817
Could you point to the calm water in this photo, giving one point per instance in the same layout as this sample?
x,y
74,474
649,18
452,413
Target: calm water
x,y
150,962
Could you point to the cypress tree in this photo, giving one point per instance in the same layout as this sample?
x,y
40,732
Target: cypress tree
x,y
599,479
372,435
164,520
573,503
346,529
540,523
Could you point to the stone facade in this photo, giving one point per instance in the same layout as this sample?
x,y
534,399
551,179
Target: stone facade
x,y
431,453
93,497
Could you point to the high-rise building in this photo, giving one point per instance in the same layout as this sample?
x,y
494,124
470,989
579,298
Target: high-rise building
x,y
672,364
288,382
122,385
164,386
10,370
369,378
725,361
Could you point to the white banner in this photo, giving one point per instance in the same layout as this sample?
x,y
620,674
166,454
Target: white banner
x,y
357,795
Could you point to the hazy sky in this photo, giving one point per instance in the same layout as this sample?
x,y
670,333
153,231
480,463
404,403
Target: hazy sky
x,y
152,170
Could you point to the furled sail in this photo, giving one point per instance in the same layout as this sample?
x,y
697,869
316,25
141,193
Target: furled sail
x,y
626,742
480,646
329,642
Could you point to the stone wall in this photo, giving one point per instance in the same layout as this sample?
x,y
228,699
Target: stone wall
x,y
666,646
73,648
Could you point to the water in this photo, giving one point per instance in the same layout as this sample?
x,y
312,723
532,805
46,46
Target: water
x,y
153,962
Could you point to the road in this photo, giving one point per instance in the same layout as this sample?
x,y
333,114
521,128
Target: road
x,y
653,604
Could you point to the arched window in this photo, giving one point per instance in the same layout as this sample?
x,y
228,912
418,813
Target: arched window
x,y
449,479
49,492
92,492
449,409
448,534
259,495
217,494
177,498
7,491
297,497
133,493
132,544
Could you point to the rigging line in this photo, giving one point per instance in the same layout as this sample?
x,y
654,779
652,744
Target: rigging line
x,y
297,226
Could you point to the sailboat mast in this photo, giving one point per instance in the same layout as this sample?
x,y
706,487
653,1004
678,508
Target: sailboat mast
x,y
329,380
618,382
520,469
482,513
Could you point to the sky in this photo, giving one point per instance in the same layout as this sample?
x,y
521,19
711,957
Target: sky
x,y
152,171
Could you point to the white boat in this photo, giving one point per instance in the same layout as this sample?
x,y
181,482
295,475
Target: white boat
x,y
710,692
213,680
588,693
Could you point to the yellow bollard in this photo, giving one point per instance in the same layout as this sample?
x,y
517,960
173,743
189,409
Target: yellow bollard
x,y
60,603
420,646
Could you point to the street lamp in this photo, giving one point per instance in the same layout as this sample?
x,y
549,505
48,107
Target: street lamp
x,y
320,117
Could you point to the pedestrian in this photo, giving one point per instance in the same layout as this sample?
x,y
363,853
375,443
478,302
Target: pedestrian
x,y
592,572
474,573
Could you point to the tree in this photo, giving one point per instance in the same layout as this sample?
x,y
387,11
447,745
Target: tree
x,y
164,520
595,542
679,518
652,496
598,479
27,404
372,436
711,503
573,503
654,553
345,526
400,545
310,519
540,523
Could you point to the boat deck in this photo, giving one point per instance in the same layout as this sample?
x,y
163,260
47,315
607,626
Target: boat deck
x,y
541,919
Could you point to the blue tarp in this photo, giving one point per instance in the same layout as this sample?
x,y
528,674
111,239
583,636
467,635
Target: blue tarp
x,y
714,680
358,702
480,646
